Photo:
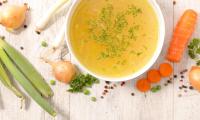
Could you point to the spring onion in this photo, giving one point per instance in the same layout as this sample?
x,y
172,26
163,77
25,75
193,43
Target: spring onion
x,y
24,82
4,78
27,68
45,19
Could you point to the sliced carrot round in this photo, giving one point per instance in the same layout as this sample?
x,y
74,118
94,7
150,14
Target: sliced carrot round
x,y
165,69
153,76
143,85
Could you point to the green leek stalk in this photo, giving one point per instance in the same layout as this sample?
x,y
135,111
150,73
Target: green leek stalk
x,y
7,82
28,69
25,83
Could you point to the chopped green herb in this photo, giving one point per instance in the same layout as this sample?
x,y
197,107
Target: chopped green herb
x,y
132,52
120,22
52,82
134,10
194,50
94,99
198,63
44,44
139,53
156,88
86,92
81,82
145,47
108,29
123,62
97,81
191,53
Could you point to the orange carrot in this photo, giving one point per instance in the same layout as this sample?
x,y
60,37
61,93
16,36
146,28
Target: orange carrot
x,y
153,76
182,33
143,85
165,69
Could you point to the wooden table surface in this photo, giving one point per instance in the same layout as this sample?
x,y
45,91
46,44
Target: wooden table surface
x,y
118,104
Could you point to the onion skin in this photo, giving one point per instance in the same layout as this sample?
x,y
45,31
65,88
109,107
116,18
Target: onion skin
x,y
194,77
63,71
13,16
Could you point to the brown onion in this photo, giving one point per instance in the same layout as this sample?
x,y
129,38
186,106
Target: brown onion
x,y
63,71
13,16
194,77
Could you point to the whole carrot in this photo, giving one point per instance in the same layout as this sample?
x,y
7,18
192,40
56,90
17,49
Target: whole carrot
x,y
182,33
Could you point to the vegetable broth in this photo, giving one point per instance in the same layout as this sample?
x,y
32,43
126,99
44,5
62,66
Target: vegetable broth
x,y
114,38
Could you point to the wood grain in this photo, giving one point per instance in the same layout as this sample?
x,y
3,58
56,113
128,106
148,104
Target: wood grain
x,y
118,104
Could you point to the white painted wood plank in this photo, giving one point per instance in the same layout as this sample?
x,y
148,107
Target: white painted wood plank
x,y
160,105
186,107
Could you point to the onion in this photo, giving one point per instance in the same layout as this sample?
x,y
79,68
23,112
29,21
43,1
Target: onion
x,y
194,77
48,15
63,71
13,16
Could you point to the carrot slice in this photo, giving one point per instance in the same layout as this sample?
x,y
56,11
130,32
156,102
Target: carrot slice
x,y
182,33
153,76
165,69
143,85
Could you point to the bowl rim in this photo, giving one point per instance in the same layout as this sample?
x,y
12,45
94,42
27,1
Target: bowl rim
x,y
161,38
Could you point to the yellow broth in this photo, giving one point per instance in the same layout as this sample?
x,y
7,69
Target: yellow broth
x,y
114,38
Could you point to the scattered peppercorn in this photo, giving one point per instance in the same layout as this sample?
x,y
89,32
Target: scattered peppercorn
x,y
107,82
0,3
123,83
105,91
181,80
191,88
184,71
106,87
25,26
22,48
102,97
174,2
133,94
111,87
180,87
183,86
179,95
165,84
38,32
182,76
175,76
169,81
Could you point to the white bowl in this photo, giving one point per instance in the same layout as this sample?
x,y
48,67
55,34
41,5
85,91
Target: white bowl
x,y
161,37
